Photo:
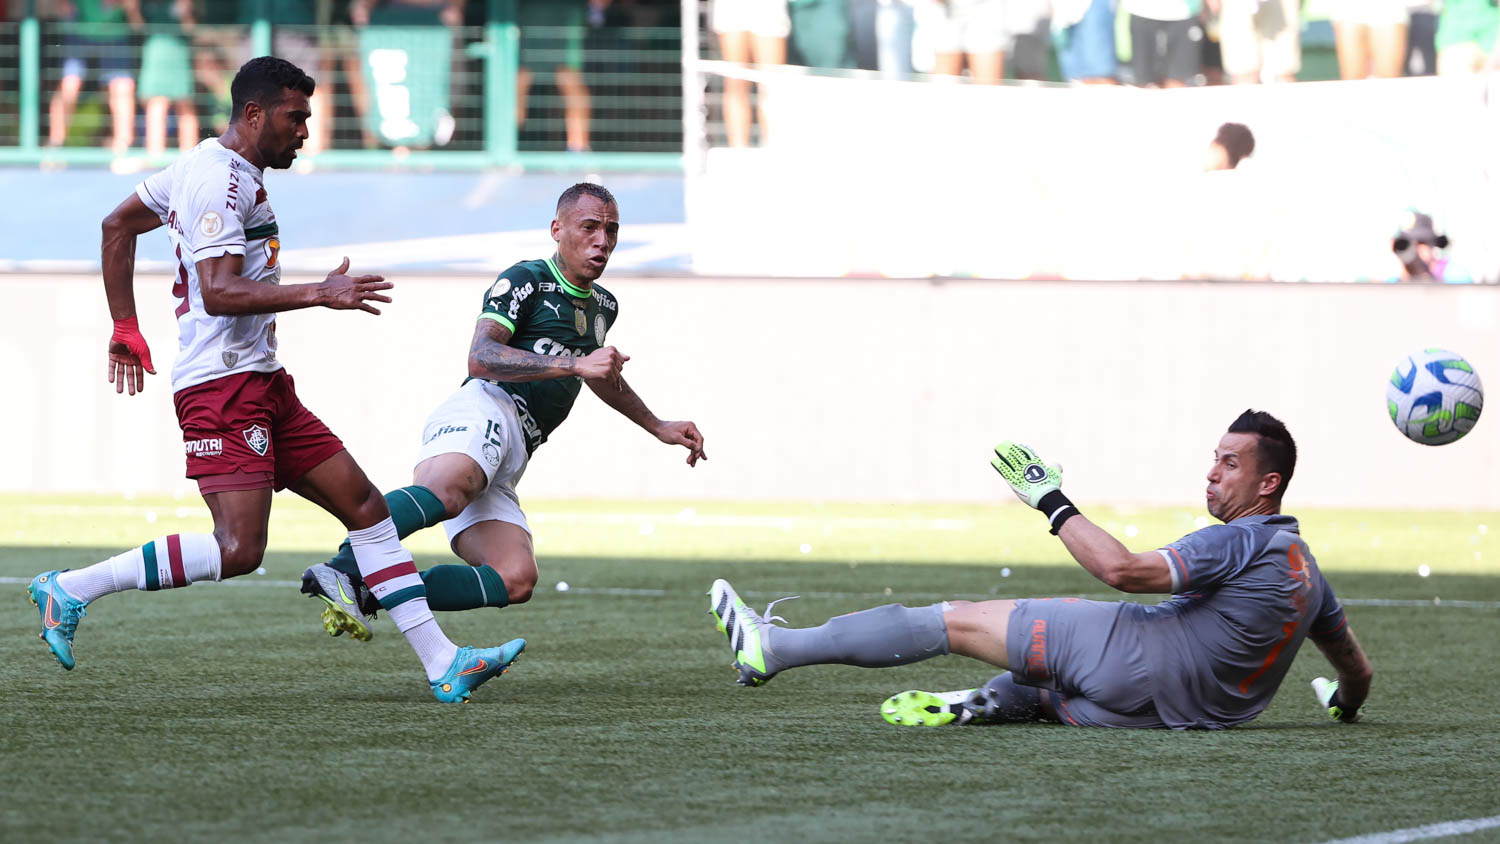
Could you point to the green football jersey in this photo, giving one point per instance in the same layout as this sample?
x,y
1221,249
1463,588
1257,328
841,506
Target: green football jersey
x,y
548,315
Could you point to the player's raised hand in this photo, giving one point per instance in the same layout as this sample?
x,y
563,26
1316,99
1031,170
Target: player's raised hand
x,y
345,293
1029,478
602,365
129,357
685,434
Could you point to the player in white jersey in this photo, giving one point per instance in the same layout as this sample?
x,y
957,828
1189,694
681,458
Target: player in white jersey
x,y
244,429
1245,595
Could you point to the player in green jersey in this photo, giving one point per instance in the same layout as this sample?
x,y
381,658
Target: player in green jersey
x,y
539,339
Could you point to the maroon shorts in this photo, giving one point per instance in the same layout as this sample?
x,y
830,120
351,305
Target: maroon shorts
x,y
249,431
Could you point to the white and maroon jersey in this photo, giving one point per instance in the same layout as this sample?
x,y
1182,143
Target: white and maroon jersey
x,y
213,203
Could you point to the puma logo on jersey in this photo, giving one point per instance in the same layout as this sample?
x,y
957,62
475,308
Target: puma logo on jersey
x,y
556,309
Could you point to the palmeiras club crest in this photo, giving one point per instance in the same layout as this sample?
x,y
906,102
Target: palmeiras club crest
x,y
258,440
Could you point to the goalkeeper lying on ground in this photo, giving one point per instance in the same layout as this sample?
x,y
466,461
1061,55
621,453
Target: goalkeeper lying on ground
x,y
1244,596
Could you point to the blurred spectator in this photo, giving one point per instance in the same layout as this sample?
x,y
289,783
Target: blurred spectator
x,y
1083,34
167,74
1233,144
1468,36
1370,37
552,48
1166,41
1419,248
1029,26
1421,37
405,48
293,39
219,48
882,30
975,29
96,32
1260,40
820,32
747,28
339,46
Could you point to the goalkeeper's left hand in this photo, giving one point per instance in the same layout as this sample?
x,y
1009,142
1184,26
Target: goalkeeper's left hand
x,y
1028,477
1328,697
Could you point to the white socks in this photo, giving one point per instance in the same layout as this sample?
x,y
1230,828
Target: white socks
x,y
168,562
388,570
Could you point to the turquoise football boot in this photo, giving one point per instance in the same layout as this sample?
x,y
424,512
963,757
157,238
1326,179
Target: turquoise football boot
x,y
60,615
472,667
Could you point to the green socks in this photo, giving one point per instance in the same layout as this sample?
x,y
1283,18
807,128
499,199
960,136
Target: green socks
x,y
464,587
412,509
450,587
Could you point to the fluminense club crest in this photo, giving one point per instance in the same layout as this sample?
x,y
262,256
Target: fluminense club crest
x,y
258,439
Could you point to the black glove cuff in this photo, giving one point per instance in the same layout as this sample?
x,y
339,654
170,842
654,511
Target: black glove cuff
x,y
1057,508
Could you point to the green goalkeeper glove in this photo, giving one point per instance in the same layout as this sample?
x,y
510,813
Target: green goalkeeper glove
x,y
1034,482
1328,697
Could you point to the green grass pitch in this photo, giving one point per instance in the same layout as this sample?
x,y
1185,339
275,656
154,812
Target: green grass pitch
x,y
223,713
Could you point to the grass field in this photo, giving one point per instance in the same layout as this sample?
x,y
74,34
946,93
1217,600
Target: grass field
x,y
223,713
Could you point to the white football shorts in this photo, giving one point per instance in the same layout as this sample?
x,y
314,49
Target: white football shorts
x,y
479,420
768,18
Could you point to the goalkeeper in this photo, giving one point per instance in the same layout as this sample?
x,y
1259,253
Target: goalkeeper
x,y
1244,594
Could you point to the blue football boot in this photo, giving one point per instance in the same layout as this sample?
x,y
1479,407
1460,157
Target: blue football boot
x,y
472,667
60,615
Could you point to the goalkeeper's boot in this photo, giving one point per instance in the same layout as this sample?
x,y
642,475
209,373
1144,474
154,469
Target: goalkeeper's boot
x,y
349,607
472,667
61,613
747,633
929,709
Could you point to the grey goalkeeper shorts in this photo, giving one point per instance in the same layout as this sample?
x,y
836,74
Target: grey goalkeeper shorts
x,y
1089,653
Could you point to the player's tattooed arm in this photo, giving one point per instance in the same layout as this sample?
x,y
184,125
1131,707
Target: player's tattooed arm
x,y
491,359
1354,669
620,396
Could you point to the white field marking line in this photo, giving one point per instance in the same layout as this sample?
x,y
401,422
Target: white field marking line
x,y
779,522
631,519
626,592
1416,833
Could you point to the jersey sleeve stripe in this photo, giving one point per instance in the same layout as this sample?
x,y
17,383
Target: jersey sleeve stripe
x,y
1329,633
1177,570
143,190
500,319
217,249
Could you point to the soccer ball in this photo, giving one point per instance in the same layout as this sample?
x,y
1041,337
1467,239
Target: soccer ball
x,y
1434,397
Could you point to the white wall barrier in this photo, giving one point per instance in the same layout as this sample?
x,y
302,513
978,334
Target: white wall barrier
x,y
911,179
827,389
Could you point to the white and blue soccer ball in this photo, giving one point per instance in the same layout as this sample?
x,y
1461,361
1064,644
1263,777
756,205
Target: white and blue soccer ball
x,y
1434,397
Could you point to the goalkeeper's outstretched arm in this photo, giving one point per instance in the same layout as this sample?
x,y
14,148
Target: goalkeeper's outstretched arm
x,y
1040,486
1354,672
1108,559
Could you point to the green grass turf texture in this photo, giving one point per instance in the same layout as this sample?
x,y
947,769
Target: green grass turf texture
x,y
224,713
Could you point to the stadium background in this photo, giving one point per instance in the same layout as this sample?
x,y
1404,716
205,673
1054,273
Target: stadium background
x,y
906,269
853,314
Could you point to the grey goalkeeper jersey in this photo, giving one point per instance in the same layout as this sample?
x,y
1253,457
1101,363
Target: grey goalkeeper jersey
x,y
1244,596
